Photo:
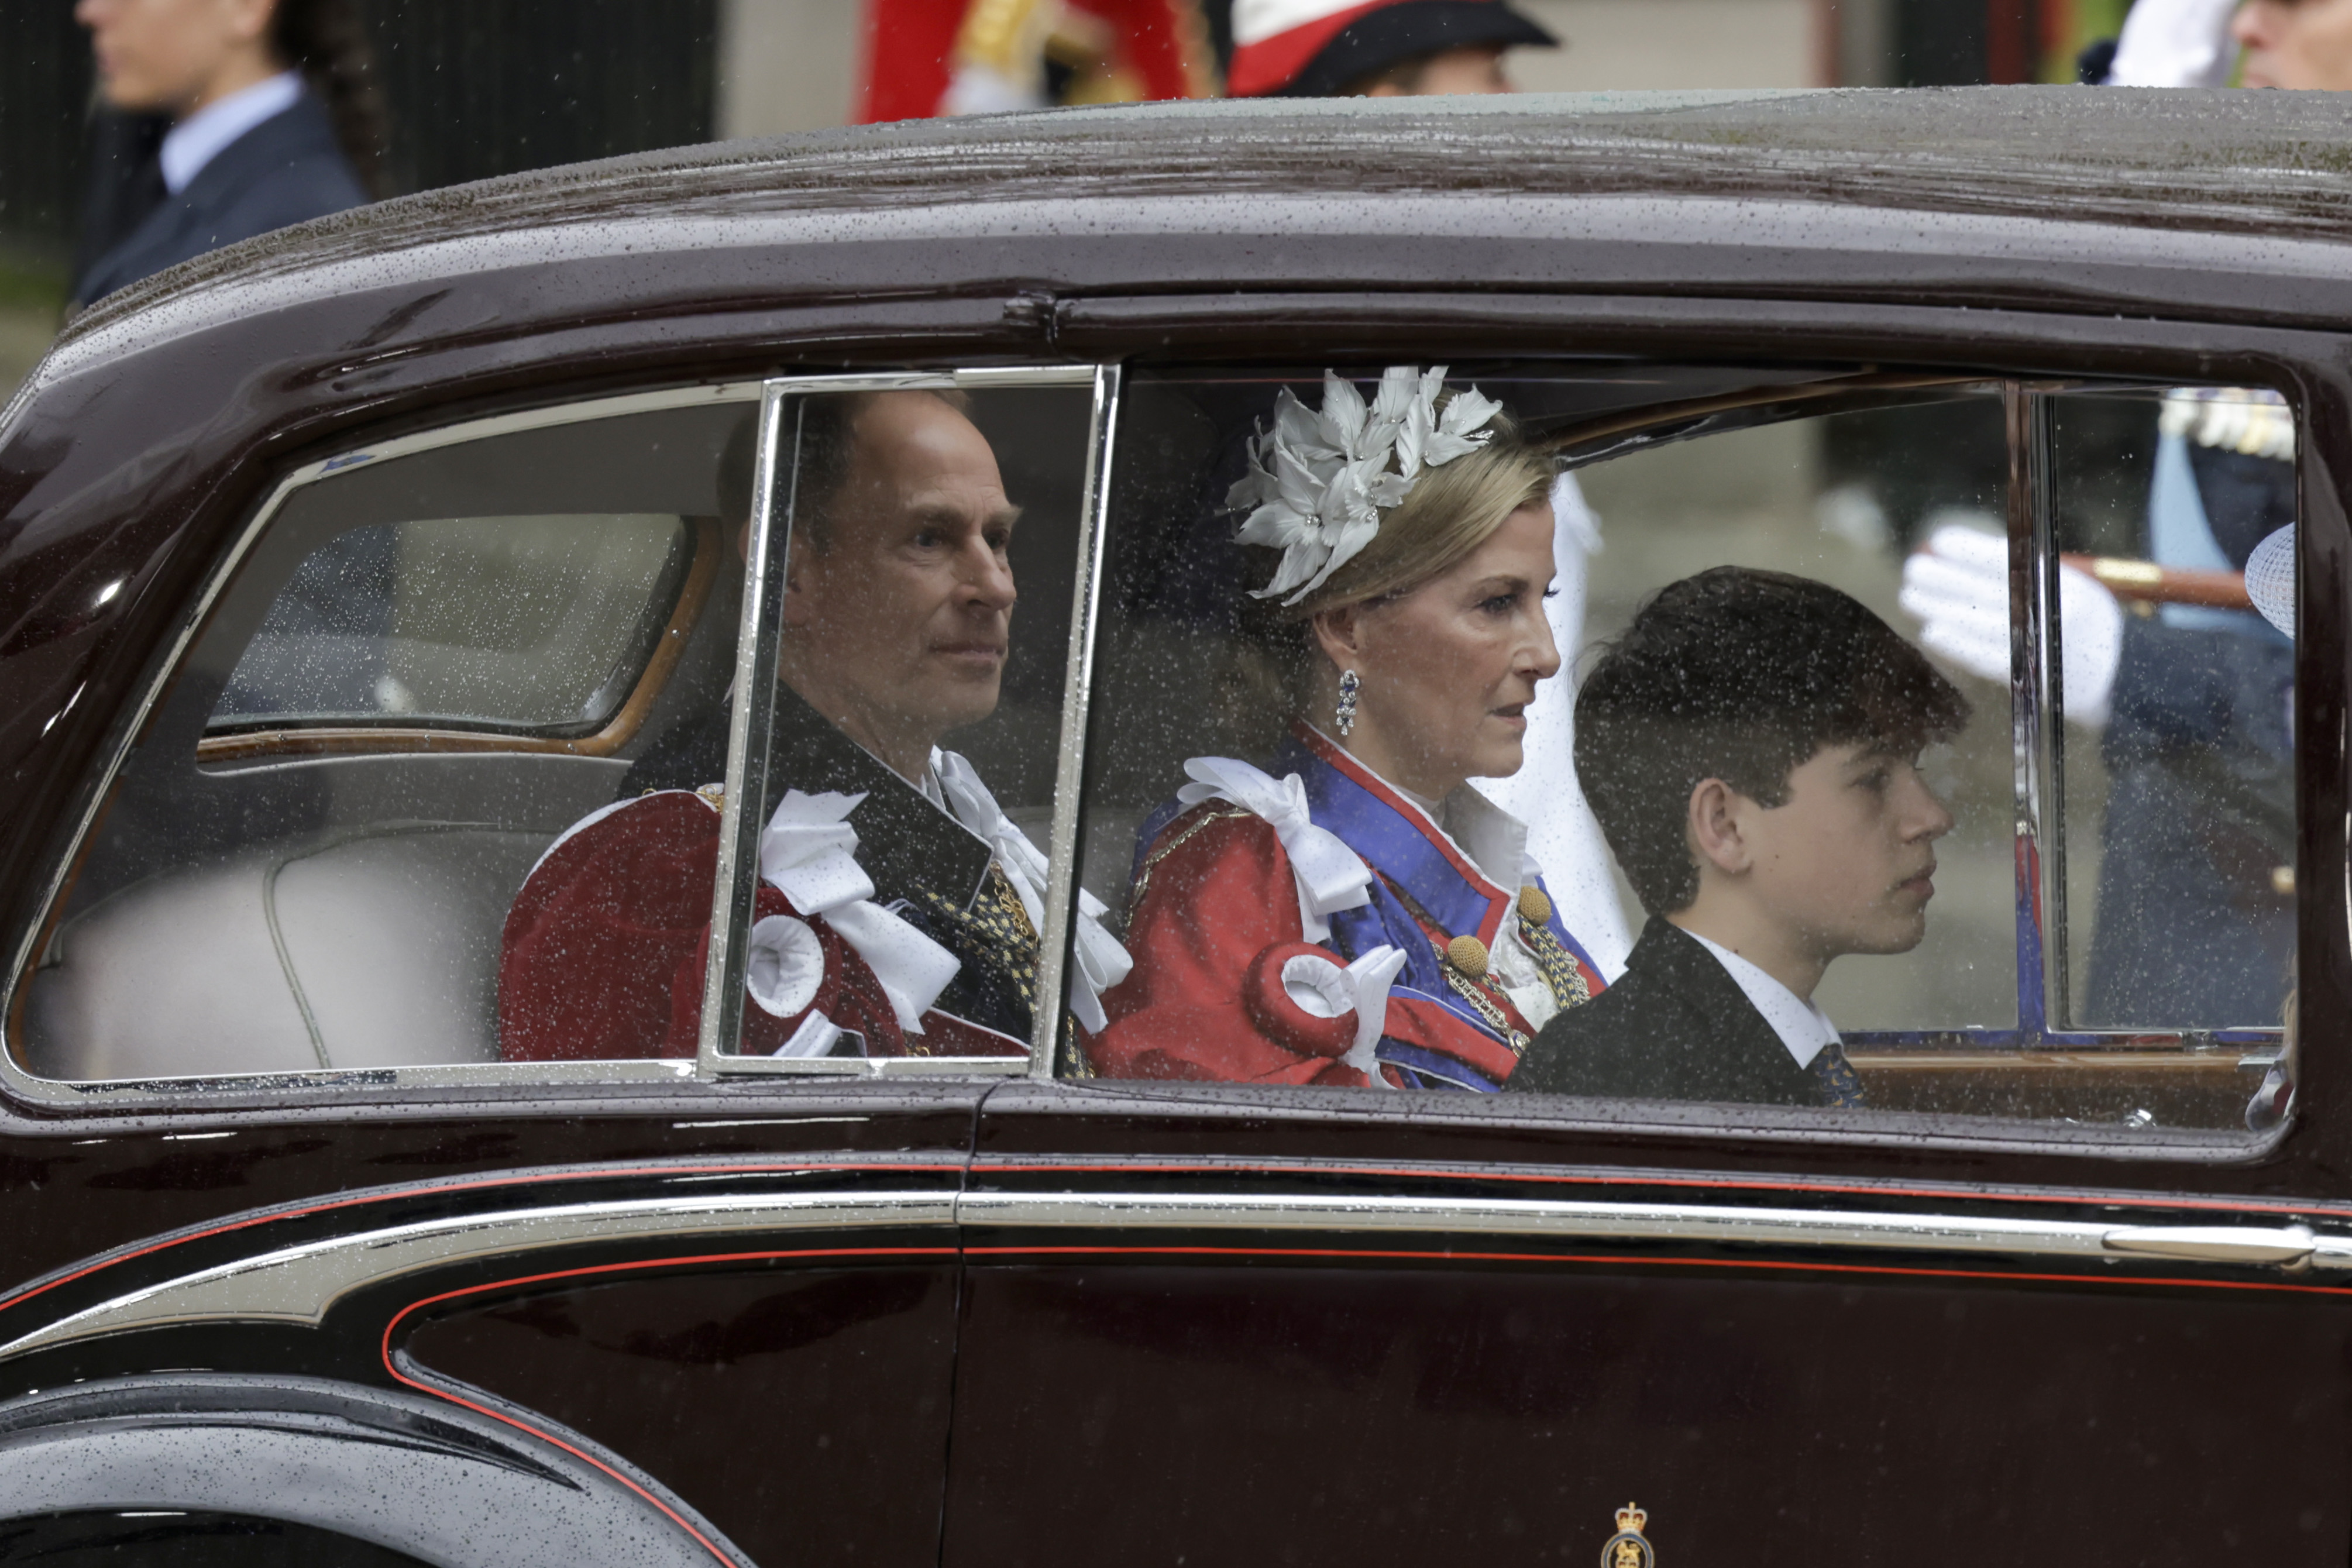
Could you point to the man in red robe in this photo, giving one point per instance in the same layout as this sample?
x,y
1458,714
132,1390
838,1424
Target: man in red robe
x,y
897,908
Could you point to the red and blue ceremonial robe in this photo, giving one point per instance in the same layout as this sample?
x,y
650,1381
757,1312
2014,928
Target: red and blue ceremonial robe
x,y
1315,926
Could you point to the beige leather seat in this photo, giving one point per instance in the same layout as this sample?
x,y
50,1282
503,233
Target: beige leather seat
x,y
364,949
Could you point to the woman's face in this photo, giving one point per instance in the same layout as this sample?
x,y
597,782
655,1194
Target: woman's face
x,y
1448,670
2294,43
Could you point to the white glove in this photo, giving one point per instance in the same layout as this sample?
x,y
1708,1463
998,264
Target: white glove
x,y
1958,584
2175,43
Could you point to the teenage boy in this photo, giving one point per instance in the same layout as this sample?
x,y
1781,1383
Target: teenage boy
x,y
1750,747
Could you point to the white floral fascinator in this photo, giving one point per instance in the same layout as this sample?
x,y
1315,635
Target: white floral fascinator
x,y
1317,481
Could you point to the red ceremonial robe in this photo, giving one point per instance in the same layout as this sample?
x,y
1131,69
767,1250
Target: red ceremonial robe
x,y
1216,918
606,946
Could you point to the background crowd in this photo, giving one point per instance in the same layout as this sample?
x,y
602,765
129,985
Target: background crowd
x,y
397,96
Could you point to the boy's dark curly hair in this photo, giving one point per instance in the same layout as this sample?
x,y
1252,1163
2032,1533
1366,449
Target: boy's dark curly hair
x,y
1742,675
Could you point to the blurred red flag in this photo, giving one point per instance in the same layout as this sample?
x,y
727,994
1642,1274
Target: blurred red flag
x,y
924,57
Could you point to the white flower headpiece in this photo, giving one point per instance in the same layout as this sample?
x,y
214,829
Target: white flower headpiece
x,y
1317,482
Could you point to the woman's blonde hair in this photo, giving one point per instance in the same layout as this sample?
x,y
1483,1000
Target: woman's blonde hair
x,y
1449,513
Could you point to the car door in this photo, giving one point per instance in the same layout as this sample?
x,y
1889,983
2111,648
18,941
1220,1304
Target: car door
x,y
2066,1282
362,1225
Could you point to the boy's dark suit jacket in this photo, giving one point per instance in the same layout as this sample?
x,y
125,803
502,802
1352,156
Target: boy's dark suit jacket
x,y
286,170
1676,1025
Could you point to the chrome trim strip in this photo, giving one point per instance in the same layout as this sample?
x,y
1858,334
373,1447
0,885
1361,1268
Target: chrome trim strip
x,y
1077,702
758,640
1681,1223
2028,696
973,378
2294,1246
522,419
2034,474
300,1285
1535,1217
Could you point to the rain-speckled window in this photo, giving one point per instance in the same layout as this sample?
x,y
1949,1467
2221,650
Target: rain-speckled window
x,y
1694,734
502,751
435,656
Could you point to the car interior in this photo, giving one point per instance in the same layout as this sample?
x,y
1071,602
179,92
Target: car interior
x,y
425,669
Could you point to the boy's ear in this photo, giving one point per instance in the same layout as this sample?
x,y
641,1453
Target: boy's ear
x,y
1714,827
1339,634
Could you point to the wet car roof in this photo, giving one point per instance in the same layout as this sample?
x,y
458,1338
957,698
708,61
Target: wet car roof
x,y
2182,182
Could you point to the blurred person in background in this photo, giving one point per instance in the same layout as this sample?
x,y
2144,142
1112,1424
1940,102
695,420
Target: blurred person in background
x,y
2294,43
2302,44
1403,48
221,120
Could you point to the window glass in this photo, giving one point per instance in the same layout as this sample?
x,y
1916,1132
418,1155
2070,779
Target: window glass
x,y
430,669
1759,806
1841,499
537,622
930,542
2175,709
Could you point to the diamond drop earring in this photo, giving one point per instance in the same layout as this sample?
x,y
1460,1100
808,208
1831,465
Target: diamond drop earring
x,y
1350,684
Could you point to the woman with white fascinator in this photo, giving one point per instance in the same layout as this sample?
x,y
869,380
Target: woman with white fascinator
x,y
1358,914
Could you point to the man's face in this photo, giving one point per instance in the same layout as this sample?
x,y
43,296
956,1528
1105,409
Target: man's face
x,y
2294,43
1847,862
901,621
158,56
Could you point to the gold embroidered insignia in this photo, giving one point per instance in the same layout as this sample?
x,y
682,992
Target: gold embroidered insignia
x,y
1629,1547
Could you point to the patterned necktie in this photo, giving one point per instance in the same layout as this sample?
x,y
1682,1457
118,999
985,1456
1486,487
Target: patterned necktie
x,y
1841,1086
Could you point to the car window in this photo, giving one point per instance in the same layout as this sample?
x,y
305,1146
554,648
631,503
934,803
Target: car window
x,y
1780,795
433,661
543,623
926,544
470,767
2175,715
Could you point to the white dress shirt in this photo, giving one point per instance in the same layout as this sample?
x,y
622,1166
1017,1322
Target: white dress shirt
x,y
1803,1028
199,139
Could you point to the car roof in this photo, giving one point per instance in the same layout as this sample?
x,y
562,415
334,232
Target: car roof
x,y
2221,205
2258,166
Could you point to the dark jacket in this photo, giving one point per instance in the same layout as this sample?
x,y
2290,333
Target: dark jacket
x,y
286,170
1675,1026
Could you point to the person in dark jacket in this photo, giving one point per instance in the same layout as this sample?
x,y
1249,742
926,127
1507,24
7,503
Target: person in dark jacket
x,y
1750,748
222,119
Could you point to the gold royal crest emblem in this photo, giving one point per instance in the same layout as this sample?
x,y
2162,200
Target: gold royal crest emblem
x,y
1629,1547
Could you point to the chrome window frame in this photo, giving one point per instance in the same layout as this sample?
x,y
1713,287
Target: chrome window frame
x,y
747,738
737,865
2044,997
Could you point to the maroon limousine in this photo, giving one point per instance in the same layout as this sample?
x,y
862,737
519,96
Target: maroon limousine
x,y
1226,833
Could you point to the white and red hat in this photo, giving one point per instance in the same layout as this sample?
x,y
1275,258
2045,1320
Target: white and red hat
x,y
1315,49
